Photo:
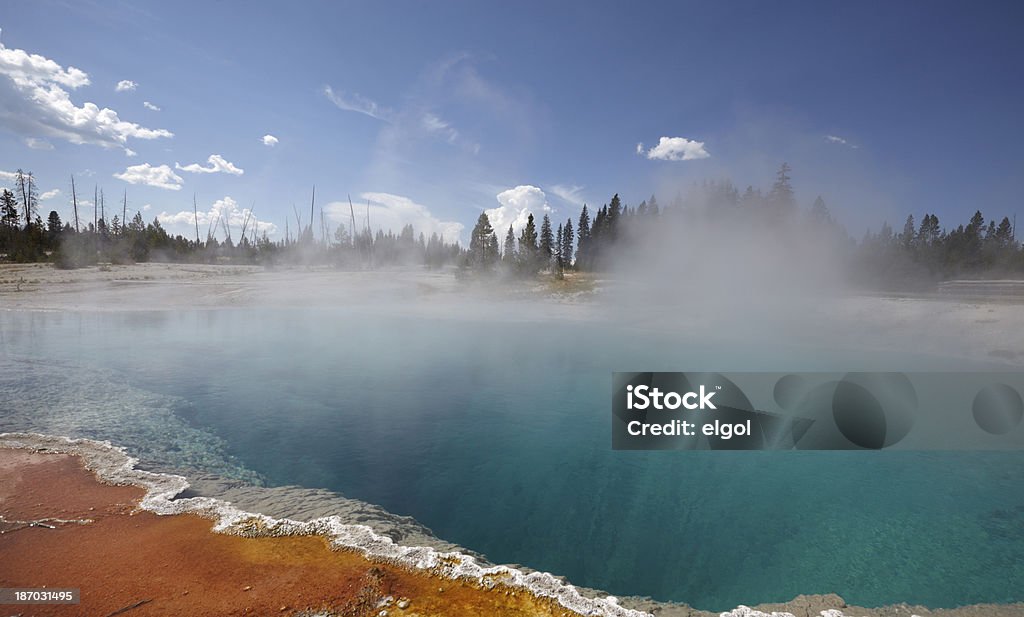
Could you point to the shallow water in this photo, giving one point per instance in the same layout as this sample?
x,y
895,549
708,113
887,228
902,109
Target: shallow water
x,y
495,434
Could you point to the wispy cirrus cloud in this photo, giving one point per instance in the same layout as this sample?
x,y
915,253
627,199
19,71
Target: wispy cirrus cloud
x,y
416,119
568,193
150,106
434,124
359,104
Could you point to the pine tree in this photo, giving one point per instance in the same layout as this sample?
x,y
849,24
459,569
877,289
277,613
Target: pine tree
x,y
528,247
819,213
559,236
137,225
781,198
9,217
907,237
976,225
583,240
567,240
341,236
492,250
53,224
652,207
480,242
1004,233
928,232
598,239
508,255
547,243
614,214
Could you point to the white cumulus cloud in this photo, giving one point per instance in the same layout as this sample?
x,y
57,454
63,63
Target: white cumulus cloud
x,y
125,85
517,204
35,102
270,140
217,165
675,149
161,176
223,211
49,194
392,212
150,106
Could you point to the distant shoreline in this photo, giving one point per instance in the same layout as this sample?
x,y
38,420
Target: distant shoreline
x,y
933,323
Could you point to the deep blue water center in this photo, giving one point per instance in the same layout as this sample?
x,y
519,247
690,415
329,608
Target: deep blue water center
x,y
496,436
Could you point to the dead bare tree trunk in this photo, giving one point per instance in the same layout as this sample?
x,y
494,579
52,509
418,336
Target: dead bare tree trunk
x,y
298,222
195,212
74,201
311,202
352,227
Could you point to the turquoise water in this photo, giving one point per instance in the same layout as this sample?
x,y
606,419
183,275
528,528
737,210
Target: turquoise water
x,y
496,436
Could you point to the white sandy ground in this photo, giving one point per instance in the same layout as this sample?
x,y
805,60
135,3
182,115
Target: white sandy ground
x,y
988,332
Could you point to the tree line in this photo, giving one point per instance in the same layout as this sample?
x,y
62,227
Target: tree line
x,y
100,238
921,254
918,256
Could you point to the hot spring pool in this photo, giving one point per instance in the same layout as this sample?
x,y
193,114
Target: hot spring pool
x,y
495,434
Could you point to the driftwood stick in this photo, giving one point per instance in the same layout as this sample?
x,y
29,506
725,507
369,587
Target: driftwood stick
x,y
129,607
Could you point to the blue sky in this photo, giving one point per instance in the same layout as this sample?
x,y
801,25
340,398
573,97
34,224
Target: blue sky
x,y
436,111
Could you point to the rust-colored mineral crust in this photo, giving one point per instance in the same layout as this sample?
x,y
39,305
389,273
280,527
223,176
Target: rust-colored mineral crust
x,y
92,536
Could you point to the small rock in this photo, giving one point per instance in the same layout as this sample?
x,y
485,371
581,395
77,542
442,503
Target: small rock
x,y
247,588
403,603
